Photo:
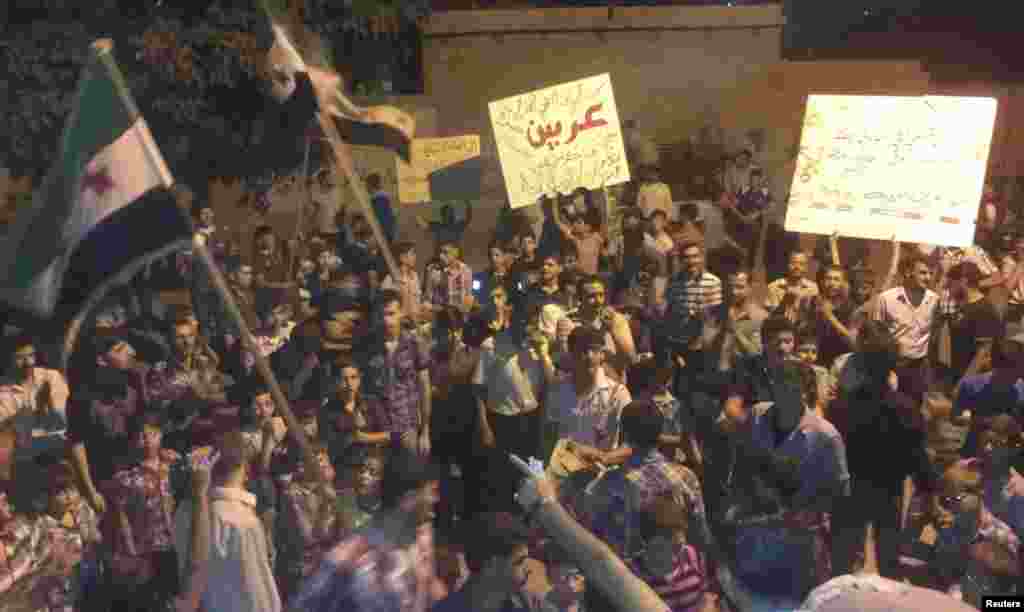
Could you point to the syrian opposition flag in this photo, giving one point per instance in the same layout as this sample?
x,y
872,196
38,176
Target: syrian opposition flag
x,y
294,79
106,161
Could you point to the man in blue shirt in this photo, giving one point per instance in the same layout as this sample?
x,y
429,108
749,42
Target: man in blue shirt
x,y
381,202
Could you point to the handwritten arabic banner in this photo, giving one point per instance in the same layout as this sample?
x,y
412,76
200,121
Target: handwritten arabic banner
x,y
429,155
872,167
560,138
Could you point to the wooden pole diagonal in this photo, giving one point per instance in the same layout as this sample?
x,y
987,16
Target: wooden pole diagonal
x,y
343,162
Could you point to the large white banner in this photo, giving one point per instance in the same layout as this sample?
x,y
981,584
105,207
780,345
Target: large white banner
x,y
560,138
874,167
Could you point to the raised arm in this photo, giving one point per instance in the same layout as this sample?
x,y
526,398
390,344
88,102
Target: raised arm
x,y
563,227
597,561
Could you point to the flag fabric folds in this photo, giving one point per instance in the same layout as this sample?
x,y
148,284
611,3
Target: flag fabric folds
x,y
106,160
383,126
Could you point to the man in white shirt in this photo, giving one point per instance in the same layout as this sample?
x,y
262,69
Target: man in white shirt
x,y
239,576
34,400
909,312
586,405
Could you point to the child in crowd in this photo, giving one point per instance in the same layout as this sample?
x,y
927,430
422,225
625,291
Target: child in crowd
x,y
408,285
807,352
660,240
450,282
143,565
69,533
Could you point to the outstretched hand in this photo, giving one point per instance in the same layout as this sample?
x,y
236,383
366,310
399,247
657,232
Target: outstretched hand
x,y
536,487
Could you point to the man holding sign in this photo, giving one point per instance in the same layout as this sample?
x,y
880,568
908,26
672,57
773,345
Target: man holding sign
x,y
558,139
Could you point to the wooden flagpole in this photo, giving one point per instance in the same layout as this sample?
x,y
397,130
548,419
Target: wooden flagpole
x,y
103,51
299,214
343,162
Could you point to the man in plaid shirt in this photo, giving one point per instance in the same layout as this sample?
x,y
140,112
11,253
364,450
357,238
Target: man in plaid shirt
x,y
451,282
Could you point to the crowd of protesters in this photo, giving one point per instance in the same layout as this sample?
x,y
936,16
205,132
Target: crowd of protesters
x,y
709,442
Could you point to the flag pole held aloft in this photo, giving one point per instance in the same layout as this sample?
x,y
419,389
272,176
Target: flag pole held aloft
x,y
103,50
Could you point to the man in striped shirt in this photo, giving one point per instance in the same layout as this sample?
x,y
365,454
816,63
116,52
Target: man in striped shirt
x,y
693,289
690,295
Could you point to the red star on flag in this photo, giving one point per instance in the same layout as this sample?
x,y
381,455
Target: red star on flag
x,y
98,181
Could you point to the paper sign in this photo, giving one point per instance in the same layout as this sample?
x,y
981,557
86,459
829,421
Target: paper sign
x,y
558,139
428,156
872,167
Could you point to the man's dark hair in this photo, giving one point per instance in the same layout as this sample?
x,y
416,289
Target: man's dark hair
x,y
386,297
527,233
476,330
497,243
967,271
401,248
403,473
373,181
254,387
583,338
642,424
492,535
908,261
21,341
775,325
262,231
879,348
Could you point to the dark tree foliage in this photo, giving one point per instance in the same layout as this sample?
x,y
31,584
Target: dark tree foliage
x,y
193,67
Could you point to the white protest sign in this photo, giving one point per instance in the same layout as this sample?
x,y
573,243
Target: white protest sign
x,y
429,155
878,166
560,138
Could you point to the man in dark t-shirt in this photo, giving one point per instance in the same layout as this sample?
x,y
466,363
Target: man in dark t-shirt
x,y
974,325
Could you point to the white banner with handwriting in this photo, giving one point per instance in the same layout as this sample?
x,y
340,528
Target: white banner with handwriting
x,y
560,138
429,155
879,166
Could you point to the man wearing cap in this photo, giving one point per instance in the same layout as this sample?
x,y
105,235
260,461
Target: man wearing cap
x,y
973,325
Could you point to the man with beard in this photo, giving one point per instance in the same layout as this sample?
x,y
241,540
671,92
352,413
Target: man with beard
x,y
34,397
595,313
832,317
33,400
547,291
98,415
389,564
270,262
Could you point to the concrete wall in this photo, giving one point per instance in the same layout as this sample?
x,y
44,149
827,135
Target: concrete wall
x,y
677,70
